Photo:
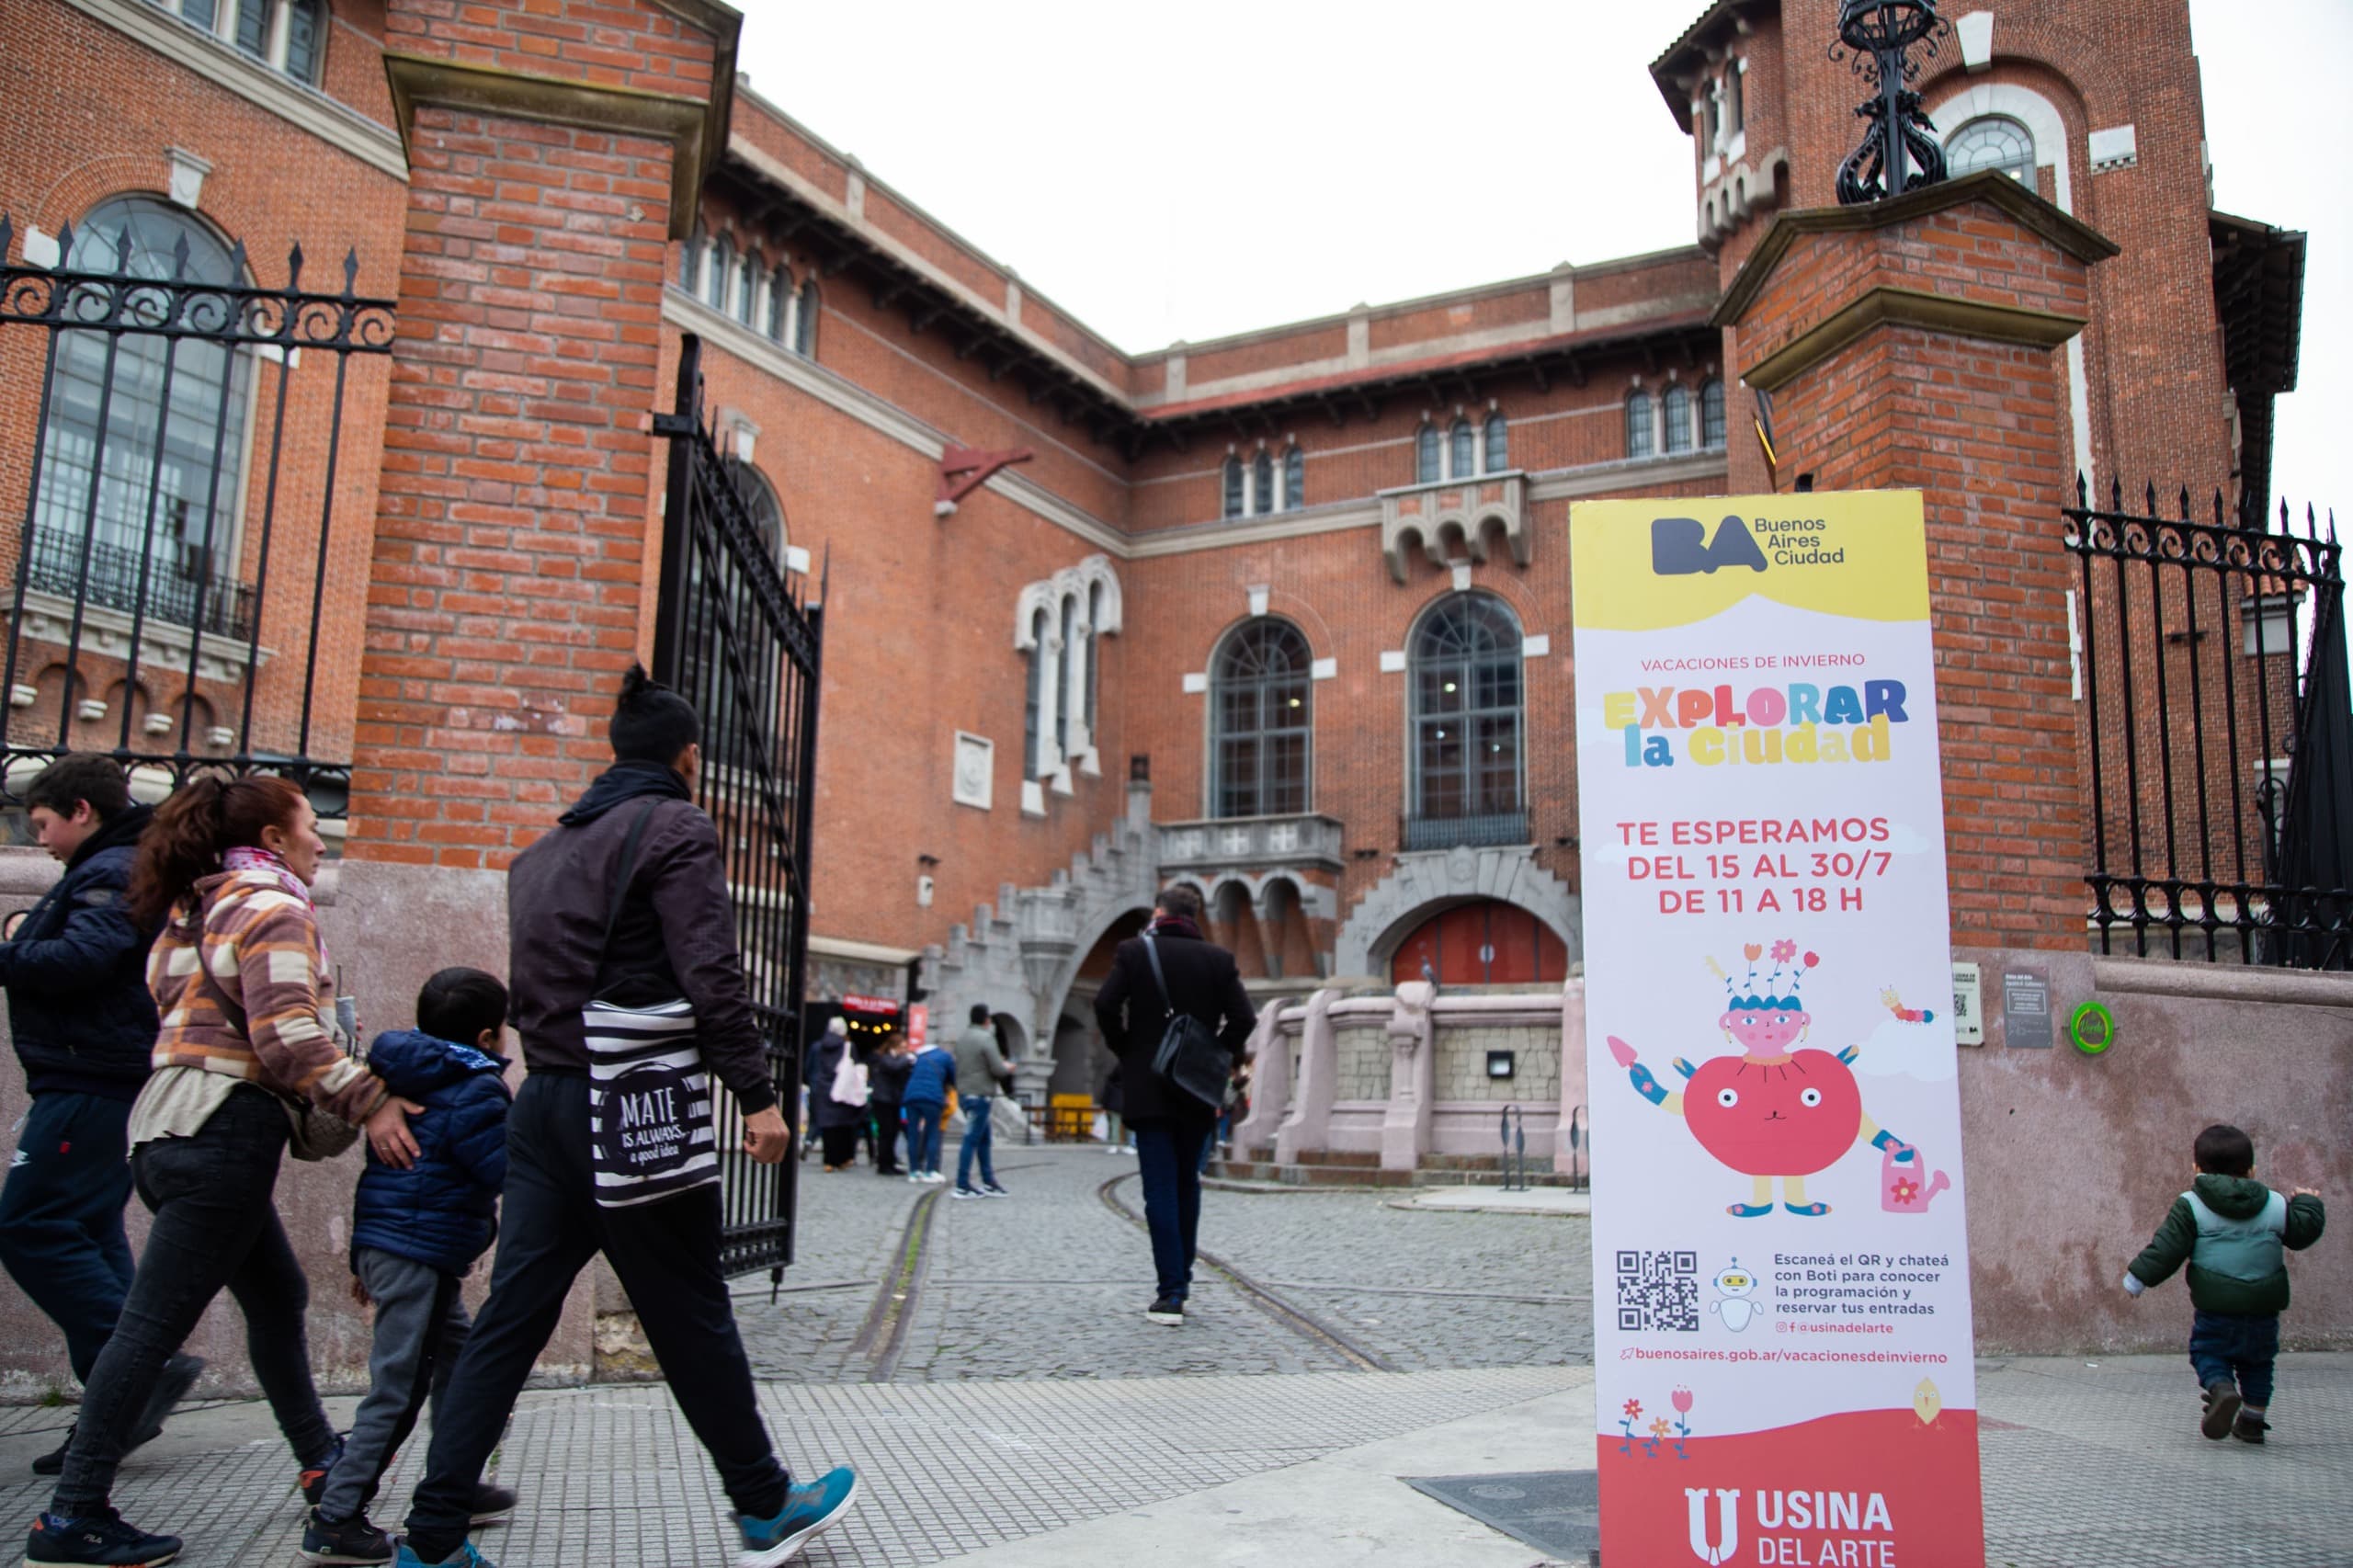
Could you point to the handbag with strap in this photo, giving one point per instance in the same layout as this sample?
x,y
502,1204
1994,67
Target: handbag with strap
x,y
849,1080
650,1134
1188,1055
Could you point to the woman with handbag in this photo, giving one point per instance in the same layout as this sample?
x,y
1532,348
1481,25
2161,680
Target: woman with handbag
x,y
836,1096
248,1061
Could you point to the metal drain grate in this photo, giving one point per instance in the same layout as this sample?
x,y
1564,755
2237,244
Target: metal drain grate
x,y
1558,1511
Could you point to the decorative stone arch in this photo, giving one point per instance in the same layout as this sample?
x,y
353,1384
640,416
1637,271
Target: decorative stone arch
x,y
1422,885
1058,987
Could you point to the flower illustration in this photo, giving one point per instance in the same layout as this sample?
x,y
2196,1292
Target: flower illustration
x,y
1784,950
1682,1399
1633,1410
1904,1191
1811,960
1660,1427
1755,950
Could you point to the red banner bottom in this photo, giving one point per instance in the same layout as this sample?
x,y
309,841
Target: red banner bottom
x,y
1869,1489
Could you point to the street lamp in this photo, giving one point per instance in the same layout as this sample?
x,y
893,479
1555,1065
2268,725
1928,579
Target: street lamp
x,y
1900,152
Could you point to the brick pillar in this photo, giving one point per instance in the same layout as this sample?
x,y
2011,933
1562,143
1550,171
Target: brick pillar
x,y
1917,344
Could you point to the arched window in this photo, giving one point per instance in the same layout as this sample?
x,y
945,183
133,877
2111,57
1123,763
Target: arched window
x,y
766,512
1466,662
1640,437
1070,651
746,279
1678,418
1261,716
1498,444
690,257
305,35
780,304
1462,451
1425,454
1094,652
804,321
110,432
253,28
1261,481
1232,487
1996,142
1033,763
1294,480
716,273
1712,416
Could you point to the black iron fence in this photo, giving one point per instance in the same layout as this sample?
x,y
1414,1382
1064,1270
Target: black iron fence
x,y
2217,730
171,562
735,635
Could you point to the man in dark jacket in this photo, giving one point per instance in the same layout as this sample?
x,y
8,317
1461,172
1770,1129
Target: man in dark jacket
x,y
1172,1127
670,935
888,1074
84,1027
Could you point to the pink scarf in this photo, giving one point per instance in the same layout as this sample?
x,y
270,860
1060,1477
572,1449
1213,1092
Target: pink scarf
x,y
251,858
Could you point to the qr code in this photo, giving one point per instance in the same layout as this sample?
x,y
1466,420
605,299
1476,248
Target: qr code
x,y
1658,1290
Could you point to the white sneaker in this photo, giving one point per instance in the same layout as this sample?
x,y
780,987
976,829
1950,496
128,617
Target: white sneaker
x,y
934,1178
914,1178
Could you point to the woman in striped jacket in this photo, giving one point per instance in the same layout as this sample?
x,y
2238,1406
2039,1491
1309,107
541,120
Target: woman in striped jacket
x,y
245,989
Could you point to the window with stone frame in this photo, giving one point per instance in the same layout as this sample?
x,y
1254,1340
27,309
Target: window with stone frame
x,y
1262,718
1033,764
285,35
1425,454
1465,680
805,306
1712,416
1262,483
1235,485
1992,141
1641,437
717,273
1461,451
1497,456
780,304
1678,418
747,287
1294,479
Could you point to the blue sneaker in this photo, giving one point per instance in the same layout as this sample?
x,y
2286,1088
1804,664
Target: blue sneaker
x,y
807,1511
102,1538
464,1557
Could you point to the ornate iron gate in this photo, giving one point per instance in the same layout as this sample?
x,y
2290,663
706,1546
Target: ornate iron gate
x,y
2217,732
171,567
733,634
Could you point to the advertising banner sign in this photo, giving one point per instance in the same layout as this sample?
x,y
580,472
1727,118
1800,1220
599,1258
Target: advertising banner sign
x,y
1783,1347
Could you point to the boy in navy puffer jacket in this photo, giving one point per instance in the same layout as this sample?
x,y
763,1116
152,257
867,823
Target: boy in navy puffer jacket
x,y
414,1233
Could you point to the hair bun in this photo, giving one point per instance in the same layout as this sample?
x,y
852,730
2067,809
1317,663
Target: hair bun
x,y
636,685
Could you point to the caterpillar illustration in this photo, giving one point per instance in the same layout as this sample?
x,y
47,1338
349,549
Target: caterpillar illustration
x,y
1903,1013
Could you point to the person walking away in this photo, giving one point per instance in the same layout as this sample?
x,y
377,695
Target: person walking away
x,y
414,1233
888,1075
2234,1233
837,1094
931,1073
624,905
242,984
76,970
1171,1127
981,1068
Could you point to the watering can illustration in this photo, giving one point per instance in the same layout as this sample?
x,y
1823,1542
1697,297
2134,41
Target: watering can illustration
x,y
1904,1185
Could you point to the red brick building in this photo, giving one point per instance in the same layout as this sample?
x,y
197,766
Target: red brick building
x,y
1283,614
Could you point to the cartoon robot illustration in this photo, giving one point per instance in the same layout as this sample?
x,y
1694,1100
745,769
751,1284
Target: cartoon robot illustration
x,y
1779,1111
1736,1310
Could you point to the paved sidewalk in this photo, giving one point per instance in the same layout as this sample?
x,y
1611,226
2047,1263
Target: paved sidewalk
x,y
2085,1464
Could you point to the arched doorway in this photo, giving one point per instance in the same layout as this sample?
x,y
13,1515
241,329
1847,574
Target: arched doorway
x,y
1483,942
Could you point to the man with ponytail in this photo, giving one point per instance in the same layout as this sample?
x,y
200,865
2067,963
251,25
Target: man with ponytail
x,y
624,903
242,984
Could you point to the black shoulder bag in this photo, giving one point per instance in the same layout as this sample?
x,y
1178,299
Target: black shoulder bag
x,y
1188,1055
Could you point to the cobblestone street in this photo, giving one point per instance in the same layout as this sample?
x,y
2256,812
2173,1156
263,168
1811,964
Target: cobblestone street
x,y
1051,1283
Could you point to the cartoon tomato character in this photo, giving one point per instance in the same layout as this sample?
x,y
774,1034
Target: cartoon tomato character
x,y
1778,1111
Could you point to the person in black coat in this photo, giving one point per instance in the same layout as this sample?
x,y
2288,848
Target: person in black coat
x,y
887,1075
1172,1127
836,1121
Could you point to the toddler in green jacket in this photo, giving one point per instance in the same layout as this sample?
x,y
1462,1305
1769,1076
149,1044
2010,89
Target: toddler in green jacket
x,y
2232,1230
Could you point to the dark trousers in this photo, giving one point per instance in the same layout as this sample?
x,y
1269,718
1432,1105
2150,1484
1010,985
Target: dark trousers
x,y
2229,1348
60,1217
840,1144
886,1137
1168,1158
666,1254
215,1227
922,1134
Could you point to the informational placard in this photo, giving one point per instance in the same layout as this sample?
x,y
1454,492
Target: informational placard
x,y
1782,1343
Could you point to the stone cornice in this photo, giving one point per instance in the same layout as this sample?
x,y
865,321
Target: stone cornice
x,y
335,123
2031,212
685,123
1889,306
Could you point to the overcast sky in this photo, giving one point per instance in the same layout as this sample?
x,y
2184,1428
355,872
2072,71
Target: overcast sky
x,y
1181,173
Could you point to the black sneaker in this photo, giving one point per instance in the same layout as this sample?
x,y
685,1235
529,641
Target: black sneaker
x,y
489,1504
2249,1430
991,1189
54,1463
2222,1404
100,1538
352,1540
1164,1310
313,1479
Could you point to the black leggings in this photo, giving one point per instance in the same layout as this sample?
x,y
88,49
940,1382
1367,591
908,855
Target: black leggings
x,y
840,1142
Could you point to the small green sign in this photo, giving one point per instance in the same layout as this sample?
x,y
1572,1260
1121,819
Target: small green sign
x,y
2093,1028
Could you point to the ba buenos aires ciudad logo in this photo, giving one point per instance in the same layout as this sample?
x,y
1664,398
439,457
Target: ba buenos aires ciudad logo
x,y
1680,546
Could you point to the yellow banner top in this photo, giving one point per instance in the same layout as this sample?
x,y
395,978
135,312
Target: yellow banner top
x,y
1639,565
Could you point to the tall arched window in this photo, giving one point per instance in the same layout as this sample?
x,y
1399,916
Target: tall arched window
x,y
191,453
1498,444
1462,451
1094,653
1996,142
1640,437
746,281
1261,716
1071,650
1033,763
1233,503
1261,481
779,303
1425,454
804,321
690,257
768,513
716,273
1712,416
1678,420
305,35
1294,480
1466,662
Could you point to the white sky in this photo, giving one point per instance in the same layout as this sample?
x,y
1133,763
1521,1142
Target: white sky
x,y
1169,173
